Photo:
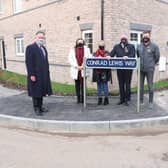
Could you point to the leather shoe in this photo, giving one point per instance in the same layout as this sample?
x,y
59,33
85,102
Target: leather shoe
x,y
38,112
44,110
106,101
127,103
99,101
120,102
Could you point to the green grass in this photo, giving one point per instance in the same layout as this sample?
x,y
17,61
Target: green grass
x,y
19,81
14,78
160,85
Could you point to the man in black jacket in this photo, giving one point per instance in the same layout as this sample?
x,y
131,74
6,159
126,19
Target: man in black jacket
x,y
38,77
124,50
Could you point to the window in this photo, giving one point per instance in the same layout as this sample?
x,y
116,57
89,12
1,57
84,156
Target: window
x,y
19,46
163,1
88,37
135,37
0,6
17,6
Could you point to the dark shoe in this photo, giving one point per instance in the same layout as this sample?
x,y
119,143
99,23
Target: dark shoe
x,y
151,106
127,103
38,111
141,102
78,99
120,102
99,101
82,100
106,101
44,110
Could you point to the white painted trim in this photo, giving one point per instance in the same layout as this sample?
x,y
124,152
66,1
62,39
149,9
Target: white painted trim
x,y
139,35
19,39
19,4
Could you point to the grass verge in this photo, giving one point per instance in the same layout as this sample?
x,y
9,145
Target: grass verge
x,y
18,81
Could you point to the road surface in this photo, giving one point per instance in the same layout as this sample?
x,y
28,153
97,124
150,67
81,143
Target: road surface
x,y
25,149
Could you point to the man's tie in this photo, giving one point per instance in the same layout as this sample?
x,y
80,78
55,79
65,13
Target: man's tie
x,y
43,51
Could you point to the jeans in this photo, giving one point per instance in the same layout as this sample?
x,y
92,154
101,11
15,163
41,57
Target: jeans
x,y
102,86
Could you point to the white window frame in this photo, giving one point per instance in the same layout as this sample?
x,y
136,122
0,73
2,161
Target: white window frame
x,y
86,32
139,33
0,6
163,1
17,6
20,48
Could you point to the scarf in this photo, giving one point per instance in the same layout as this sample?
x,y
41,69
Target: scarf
x,y
100,53
79,52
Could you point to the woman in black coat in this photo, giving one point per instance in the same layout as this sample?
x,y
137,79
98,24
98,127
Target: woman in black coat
x,y
38,77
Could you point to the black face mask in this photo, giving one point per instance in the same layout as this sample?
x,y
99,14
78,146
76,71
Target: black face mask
x,y
101,47
80,45
146,39
124,41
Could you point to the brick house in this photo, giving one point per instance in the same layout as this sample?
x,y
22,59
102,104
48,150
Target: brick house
x,y
66,20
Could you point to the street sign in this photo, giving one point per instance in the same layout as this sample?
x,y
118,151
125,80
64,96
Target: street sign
x,y
112,63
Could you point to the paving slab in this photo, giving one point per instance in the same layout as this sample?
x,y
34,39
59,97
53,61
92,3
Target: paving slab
x,y
66,108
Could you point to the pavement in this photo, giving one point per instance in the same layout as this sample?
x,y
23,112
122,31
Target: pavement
x,y
65,115
17,103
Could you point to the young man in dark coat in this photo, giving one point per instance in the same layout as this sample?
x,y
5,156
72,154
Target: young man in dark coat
x,y
38,77
124,50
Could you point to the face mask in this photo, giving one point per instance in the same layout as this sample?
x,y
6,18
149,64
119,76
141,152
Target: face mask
x,y
146,39
41,42
124,41
80,45
101,47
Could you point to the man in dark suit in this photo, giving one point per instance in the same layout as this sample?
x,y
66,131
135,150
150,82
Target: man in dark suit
x,y
38,78
124,50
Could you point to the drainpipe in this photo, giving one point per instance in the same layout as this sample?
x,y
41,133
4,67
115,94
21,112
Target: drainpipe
x,y
102,19
4,55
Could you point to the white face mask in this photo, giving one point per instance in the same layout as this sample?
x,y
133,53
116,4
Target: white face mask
x,y
41,42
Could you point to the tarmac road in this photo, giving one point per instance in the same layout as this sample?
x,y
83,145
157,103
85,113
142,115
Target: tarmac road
x,y
24,149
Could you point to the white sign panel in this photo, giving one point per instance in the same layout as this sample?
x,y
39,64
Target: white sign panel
x,y
162,64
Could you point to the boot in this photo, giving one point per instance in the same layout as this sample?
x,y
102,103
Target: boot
x,y
78,99
106,101
82,99
99,101
37,111
43,110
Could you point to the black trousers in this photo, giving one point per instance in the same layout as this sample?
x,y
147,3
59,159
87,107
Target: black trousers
x,y
124,79
37,102
79,90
